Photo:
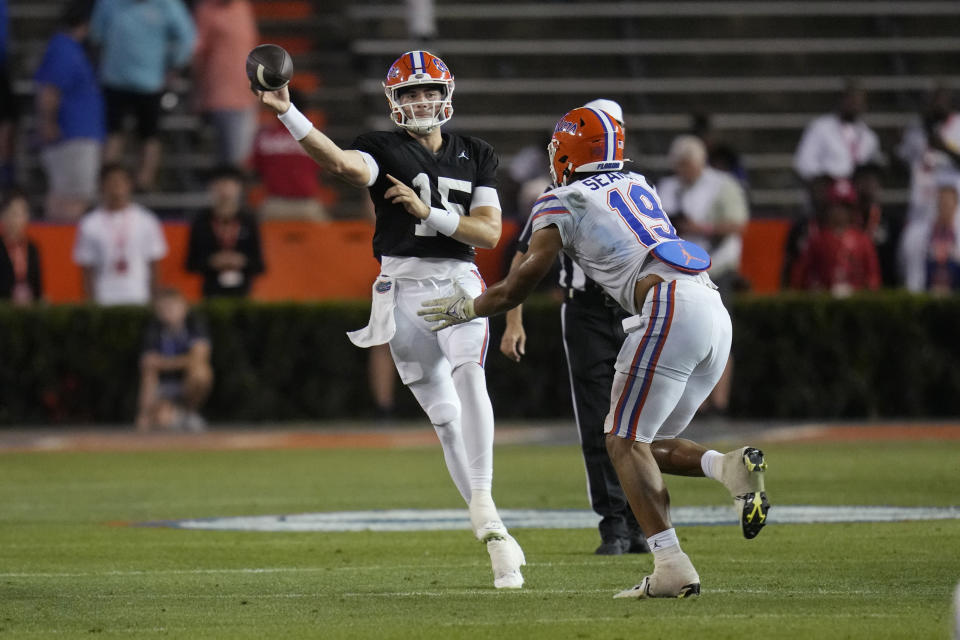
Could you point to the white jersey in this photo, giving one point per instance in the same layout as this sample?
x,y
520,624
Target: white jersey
x,y
609,222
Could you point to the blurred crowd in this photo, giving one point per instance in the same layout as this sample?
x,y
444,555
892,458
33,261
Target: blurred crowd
x,y
110,72
107,75
843,238
113,66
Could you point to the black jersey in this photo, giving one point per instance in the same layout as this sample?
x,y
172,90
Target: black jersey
x,y
447,178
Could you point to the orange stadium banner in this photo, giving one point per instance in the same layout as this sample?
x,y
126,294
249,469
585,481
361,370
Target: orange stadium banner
x,y
334,260
305,261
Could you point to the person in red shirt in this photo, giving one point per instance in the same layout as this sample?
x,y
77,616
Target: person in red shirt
x,y
20,280
839,257
226,32
290,177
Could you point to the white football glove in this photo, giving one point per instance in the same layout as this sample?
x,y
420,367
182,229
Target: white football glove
x,y
446,312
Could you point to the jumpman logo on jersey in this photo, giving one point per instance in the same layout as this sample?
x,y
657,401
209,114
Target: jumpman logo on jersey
x,y
463,154
689,257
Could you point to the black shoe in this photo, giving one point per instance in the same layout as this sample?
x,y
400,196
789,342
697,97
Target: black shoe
x,y
613,547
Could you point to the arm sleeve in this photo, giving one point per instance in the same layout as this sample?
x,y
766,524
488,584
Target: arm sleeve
x,y
372,165
369,148
485,197
548,210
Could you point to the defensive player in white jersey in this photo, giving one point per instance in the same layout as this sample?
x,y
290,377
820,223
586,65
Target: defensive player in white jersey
x,y
678,337
424,239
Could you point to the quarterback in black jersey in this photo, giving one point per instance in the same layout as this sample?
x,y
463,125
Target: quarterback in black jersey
x,y
435,196
449,176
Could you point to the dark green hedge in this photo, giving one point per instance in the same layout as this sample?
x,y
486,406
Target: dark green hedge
x,y
878,355
890,355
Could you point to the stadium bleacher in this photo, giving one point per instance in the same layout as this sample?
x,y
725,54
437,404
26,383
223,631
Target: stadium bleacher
x,y
763,69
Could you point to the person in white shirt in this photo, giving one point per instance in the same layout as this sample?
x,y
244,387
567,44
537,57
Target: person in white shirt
x,y
119,244
709,208
836,143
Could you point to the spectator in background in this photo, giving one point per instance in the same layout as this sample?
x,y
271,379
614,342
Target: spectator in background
x,y
839,257
925,152
708,207
931,248
175,371
834,144
119,244
943,249
290,177
225,239
70,118
9,112
226,32
141,42
20,280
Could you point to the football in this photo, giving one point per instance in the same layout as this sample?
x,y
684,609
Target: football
x,y
269,67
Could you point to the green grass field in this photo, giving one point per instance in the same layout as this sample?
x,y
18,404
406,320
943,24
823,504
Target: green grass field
x,y
67,569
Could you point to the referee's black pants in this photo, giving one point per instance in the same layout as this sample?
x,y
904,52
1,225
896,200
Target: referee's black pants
x,y
592,337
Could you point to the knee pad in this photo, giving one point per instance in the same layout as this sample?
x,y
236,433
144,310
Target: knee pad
x,y
443,413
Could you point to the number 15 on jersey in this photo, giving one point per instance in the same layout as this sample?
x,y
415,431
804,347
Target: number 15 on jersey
x,y
444,186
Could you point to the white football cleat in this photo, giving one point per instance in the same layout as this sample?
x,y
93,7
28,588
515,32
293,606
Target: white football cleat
x,y
673,577
506,556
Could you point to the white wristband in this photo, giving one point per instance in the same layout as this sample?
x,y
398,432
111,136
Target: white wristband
x,y
445,222
296,123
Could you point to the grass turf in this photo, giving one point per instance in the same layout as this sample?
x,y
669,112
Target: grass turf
x,y
64,571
